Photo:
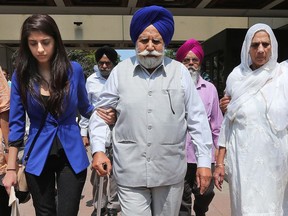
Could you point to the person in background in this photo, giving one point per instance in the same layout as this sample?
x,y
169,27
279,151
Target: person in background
x,y
51,89
5,210
6,74
191,55
254,130
156,103
106,58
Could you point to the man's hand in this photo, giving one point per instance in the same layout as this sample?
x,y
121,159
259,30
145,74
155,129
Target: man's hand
x,y
101,164
224,101
85,141
108,115
203,178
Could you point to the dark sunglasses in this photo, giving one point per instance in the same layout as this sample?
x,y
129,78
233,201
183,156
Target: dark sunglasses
x,y
107,63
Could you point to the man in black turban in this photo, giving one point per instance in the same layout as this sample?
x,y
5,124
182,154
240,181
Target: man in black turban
x,y
106,58
156,104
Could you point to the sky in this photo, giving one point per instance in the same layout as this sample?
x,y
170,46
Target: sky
x,y
125,53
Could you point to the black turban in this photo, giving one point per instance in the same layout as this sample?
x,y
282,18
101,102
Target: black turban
x,y
159,17
109,52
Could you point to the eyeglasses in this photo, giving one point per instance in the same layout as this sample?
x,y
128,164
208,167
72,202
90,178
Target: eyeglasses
x,y
106,63
257,44
187,60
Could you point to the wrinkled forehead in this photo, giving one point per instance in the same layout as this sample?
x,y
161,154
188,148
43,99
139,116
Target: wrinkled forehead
x,y
260,35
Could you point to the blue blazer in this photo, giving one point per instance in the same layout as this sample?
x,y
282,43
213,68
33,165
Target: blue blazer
x,y
65,127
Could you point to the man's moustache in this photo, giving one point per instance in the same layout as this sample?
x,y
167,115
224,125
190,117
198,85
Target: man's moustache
x,y
193,69
152,53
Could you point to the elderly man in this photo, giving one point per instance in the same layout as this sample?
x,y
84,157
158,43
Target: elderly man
x,y
106,58
191,55
156,103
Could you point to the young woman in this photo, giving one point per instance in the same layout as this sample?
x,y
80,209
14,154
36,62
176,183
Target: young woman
x,y
45,81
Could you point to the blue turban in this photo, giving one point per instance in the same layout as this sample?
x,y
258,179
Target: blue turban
x,y
159,17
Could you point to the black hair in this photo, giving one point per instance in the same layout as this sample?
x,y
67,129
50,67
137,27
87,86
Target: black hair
x,y
27,66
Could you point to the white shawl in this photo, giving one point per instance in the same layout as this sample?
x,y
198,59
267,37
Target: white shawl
x,y
242,83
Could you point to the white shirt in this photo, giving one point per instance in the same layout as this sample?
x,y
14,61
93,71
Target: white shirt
x,y
94,85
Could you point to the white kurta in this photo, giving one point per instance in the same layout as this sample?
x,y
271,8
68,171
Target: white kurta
x,y
257,163
254,132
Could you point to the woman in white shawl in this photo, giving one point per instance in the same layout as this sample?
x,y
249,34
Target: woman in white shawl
x,y
254,130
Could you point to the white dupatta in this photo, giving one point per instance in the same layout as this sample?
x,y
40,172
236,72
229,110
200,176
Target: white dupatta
x,y
242,83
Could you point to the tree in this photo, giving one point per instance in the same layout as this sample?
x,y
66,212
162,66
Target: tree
x,y
86,58
170,53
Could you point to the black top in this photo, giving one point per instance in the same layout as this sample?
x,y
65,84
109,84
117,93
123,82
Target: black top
x,y
57,147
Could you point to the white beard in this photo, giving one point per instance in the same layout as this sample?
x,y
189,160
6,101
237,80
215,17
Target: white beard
x,y
195,74
150,62
105,73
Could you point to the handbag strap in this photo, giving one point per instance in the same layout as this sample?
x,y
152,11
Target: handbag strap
x,y
36,137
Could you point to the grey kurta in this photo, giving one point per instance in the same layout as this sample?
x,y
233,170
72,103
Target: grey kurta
x,y
153,114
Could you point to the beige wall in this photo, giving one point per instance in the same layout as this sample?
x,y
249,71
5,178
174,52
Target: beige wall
x,y
97,28
116,28
202,28
273,22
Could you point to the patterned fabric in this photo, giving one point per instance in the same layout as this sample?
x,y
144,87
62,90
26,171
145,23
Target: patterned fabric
x,y
206,76
4,93
4,106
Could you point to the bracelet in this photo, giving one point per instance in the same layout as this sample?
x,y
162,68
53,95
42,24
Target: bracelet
x,y
220,165
10,169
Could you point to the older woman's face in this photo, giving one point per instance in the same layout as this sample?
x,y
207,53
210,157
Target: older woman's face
x,y
260,49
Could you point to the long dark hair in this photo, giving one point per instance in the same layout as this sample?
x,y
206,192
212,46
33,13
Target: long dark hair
x,y
27,66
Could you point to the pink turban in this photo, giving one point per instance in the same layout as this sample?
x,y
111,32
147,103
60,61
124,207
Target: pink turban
x,y
190,45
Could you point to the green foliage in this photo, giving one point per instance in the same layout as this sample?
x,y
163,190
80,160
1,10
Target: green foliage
x,y
86,58
170,53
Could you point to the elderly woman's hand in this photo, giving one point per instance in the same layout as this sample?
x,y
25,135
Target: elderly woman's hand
x,y
224,101
218,176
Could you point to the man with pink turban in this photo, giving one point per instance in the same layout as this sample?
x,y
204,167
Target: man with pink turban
x,y
194,46
191,55
156,104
